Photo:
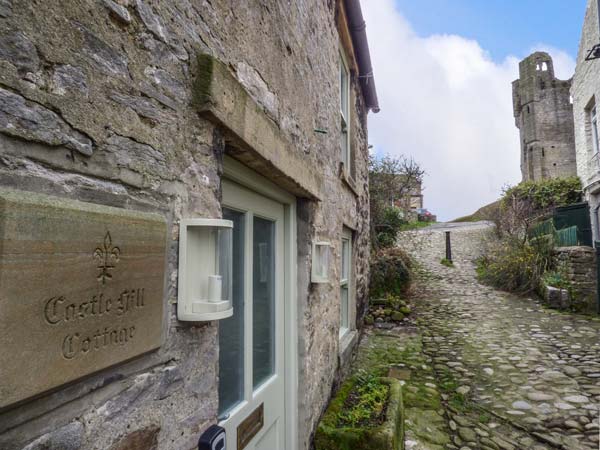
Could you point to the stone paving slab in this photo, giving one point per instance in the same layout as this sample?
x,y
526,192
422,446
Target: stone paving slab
x,y
518,376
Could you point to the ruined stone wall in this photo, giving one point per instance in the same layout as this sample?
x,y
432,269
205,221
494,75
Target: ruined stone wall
x,y
586,94
96,105
544,115
579,264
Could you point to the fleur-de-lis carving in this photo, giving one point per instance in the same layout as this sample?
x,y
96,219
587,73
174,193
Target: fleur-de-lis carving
x,y
107,256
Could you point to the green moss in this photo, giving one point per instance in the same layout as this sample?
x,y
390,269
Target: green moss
x,y
429,426
203,81
405,310
417,395
397,316
484,418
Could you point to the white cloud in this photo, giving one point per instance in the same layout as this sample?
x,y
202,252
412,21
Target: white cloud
x,y
445,102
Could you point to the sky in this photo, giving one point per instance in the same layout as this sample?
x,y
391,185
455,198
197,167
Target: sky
x,y
443,71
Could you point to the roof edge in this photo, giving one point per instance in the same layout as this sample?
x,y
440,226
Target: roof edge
x,y
358,31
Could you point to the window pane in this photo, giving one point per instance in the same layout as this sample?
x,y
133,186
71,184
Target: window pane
x,y
231,330
344,144
263,301
343,88
344,308
595,135
345,259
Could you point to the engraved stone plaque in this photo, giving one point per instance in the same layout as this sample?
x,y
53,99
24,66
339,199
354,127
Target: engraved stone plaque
x,y
81,289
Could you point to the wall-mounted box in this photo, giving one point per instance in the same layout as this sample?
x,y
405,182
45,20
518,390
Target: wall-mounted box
x,y
205,270
321,255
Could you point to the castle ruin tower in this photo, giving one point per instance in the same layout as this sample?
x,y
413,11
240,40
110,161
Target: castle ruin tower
x,y
543,112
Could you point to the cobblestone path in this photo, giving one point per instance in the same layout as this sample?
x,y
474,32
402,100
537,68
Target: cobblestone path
x,y
514,374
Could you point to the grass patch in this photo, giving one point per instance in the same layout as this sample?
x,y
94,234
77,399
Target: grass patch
x,y
446,262
415,225
458,402
365,405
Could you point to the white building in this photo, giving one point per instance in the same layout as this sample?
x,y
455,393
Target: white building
x,y
586,104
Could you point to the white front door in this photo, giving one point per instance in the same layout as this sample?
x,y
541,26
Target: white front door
x,y
251,342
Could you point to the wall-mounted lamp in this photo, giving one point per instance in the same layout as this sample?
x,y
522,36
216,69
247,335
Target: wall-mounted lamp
x,y
321,255
205,270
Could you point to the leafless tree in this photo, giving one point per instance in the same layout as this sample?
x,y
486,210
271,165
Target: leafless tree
x,y
392,180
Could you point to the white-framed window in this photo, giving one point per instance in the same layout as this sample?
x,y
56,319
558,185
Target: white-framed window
x,y
346,294
345,112
594,126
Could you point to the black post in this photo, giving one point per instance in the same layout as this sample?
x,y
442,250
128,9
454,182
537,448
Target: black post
x,y
448,247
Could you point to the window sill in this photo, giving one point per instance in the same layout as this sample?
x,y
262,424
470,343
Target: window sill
x,y
347,180
347,343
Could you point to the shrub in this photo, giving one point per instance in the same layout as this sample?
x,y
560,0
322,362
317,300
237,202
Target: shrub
x,y
516,265
390,273
546,194
526,203
391,223
556,279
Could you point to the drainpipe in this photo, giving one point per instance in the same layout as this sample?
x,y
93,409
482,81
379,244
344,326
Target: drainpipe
x,y
358,27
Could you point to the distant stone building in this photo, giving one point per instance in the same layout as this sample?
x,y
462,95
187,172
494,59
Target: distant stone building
x,y
415,199
586,104
146,142
412,199
544,115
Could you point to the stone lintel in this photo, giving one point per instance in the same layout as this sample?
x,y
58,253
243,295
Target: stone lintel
x,y
255,139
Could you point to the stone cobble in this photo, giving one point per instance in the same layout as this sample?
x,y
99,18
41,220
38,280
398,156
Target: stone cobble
x,y
517,376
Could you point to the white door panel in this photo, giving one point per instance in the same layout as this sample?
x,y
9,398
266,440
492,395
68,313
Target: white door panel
x,y
252,341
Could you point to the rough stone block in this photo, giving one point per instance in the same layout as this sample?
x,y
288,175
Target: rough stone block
x,y
553,297
31,121
68,437
118,11
145,439
18,50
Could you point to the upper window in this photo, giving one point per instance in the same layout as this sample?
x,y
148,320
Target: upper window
x,y
345,112
595,135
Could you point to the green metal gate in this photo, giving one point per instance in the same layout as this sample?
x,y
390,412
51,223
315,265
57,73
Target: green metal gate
x,y
577,215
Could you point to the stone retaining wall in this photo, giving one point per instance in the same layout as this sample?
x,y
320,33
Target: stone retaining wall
x,y
580,265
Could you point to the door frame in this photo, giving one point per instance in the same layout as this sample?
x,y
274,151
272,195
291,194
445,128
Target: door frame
x,y
244,176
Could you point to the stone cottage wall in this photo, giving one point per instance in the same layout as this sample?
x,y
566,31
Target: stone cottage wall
x,y
96,105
